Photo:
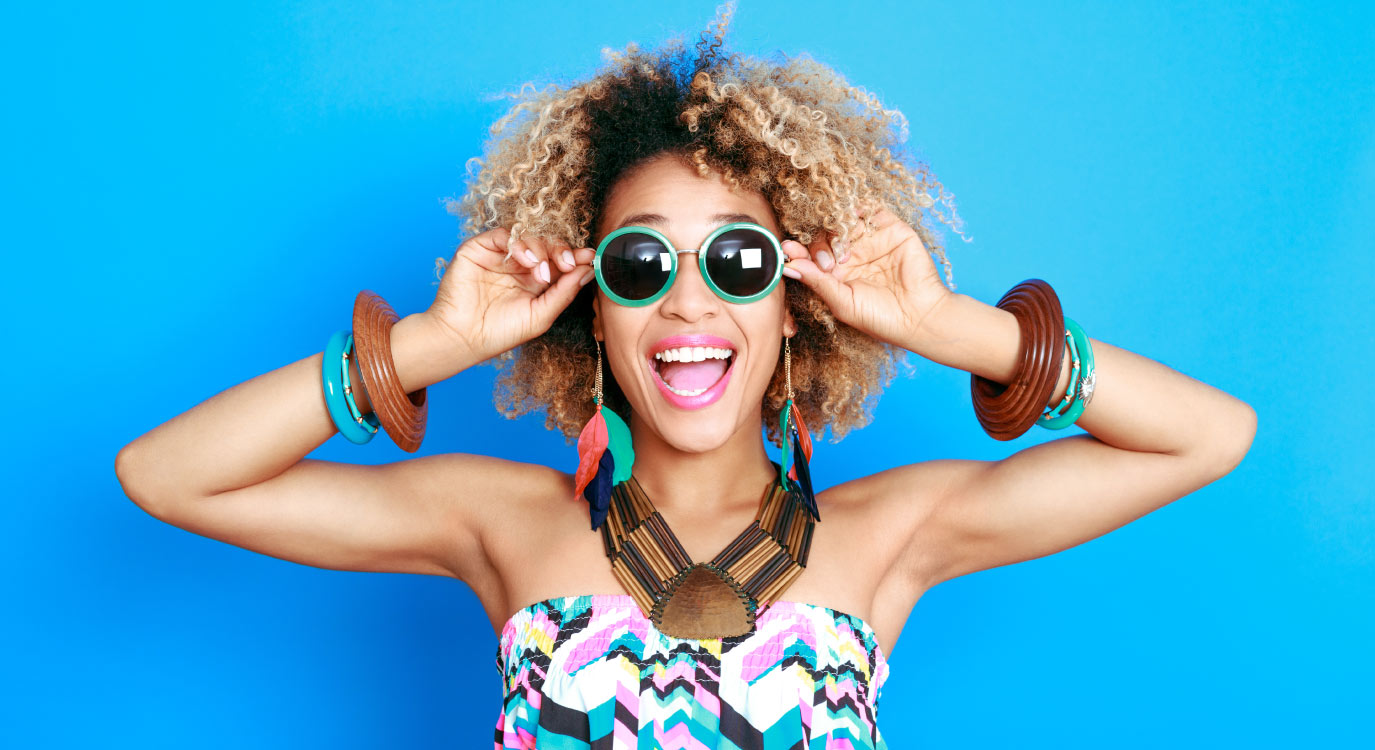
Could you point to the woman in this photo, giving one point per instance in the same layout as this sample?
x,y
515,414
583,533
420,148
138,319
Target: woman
x,y
669,255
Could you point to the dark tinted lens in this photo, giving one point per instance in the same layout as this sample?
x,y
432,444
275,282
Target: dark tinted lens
x,y
635,265
742,262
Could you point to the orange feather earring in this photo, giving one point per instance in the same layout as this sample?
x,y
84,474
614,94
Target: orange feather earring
x,y
605,453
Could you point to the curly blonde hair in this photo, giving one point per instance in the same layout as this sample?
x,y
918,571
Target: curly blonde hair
x,y
795,131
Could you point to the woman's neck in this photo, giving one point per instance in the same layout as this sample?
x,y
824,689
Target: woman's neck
x,y
722,479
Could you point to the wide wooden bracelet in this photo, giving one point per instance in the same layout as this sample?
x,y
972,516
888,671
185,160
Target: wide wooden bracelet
x,y
1008,411
402,415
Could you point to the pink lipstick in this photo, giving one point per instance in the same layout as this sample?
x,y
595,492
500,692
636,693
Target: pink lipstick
x,y
691,371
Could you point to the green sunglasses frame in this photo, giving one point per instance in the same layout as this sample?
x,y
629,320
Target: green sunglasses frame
x,y
701,264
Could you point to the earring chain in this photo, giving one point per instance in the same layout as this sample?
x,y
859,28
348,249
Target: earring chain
x,y
597,384
788,366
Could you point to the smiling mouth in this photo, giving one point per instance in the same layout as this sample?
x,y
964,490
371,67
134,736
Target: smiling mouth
x,y
690,371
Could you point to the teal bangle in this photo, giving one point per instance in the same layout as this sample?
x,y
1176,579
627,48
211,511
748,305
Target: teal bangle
x,y
1084,385
1070,390
332,377
370,422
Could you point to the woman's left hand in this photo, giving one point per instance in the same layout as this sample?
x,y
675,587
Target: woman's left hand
x,y
888,285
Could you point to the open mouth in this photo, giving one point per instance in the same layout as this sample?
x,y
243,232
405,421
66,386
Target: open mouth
x,y
690,371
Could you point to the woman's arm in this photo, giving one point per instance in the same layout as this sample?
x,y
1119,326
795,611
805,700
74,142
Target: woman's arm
x,y
1155,435
257,429
233,468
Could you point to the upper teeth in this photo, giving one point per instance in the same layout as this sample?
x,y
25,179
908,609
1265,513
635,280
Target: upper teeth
x,y
693,354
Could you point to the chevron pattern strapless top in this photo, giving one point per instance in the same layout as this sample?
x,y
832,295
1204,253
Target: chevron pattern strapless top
x,y
591,671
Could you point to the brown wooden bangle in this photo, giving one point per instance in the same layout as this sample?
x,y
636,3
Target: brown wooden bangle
x,y
1050,335
402,415
1008,411
998,407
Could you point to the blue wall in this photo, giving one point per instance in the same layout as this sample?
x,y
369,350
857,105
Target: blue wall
x,y
192,196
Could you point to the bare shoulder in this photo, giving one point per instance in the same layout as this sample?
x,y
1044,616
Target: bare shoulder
x,y
511,493
472,476
485,496
903,502
910,490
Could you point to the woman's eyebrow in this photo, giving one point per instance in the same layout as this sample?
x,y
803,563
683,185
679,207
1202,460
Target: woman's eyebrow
x,y
648,219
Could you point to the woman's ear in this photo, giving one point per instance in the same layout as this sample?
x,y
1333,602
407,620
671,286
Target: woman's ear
x,y
597,318
789,325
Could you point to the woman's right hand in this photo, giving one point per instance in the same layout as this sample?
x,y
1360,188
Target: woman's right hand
x,y
492,304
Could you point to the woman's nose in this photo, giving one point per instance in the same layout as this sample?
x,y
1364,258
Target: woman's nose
x,y
689,299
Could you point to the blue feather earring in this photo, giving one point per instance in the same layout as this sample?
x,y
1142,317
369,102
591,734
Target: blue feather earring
x,y
605,453
797,442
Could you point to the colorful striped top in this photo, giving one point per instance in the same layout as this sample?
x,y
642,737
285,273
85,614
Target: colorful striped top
x,y
591,671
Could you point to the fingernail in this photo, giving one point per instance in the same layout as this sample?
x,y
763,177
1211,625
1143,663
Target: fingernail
x,y
825,260
544,270
530,256
567,256
792,273
590,273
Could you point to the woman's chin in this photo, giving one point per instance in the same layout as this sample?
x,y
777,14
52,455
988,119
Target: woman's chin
x,y
695,435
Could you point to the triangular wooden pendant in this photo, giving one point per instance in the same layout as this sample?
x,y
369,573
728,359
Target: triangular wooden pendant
x,y
722,598
702,603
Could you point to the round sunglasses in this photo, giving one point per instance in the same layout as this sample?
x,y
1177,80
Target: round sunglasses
x,y
741,263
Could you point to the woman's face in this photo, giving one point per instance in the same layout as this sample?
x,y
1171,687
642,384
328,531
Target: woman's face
x,y
694,406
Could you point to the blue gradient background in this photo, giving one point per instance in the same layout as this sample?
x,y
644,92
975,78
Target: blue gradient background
x,y
192,196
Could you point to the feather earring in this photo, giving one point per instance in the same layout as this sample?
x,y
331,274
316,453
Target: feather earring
x,y
797,443
605,454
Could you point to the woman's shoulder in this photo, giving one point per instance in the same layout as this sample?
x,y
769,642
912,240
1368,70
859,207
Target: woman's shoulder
x,y
489,503
513,481
485,493
895,512
904,485
903,499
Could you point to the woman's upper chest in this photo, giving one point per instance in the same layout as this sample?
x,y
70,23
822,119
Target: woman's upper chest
x,y
555,553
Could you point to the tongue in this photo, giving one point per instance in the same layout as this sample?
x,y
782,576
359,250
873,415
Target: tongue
x,y
690,376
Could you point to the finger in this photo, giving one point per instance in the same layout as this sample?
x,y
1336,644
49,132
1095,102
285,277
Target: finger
x,y
835,294
535,256
568,261
562,255
543,250
840,247
523,263
821,252
876,221
520,251
558,295
489,251
792,249
583,256
539,246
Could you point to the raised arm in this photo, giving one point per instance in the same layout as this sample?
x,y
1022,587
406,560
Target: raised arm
x,y
233,467
1155,434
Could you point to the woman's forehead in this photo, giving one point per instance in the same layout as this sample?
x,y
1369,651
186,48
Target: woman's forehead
x,y
660,221
669,195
